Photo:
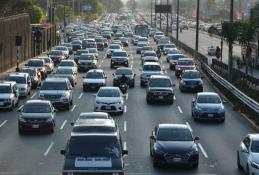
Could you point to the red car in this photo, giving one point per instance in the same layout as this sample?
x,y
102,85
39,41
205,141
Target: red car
x,y
184,64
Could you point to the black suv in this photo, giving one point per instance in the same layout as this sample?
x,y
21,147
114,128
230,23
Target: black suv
x,y
160,88
94,152
191,80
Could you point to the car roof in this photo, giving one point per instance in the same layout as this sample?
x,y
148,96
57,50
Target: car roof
x,y
151,63
35,59
7,83
55,79
254,136
182,59
109,87
183,126
159,77
94,115
207,93
96,70
37,101
18,74
95,122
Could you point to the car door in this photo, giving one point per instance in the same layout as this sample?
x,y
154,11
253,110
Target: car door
x,y
244,151
15,92
153,140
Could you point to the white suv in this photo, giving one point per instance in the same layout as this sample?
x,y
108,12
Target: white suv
x,y
109,99
9,95
23,82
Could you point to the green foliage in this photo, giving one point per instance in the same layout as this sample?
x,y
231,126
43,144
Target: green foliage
x,y
213,31
230,31
61,10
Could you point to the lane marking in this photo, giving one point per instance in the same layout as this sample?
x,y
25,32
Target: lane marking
x,y
180,110
165,71
131,66
187,123
203,151
125,108
174,97
99,65
80,96
2,124
33,95
73,108
102,61
49,148
63,124
20,107
125,126
127,96
125,145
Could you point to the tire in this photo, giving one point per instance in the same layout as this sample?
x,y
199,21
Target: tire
x,y
195,166
133,85
247,170
148,101
20,131
171,101
155,164
68,106
51,130
238,162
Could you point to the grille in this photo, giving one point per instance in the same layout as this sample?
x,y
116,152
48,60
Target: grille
x,y
172,156
191,82
52,97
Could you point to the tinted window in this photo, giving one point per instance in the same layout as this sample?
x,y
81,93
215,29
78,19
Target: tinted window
x,y
31,72
94,146
81,51
151,68
56,52
64,71
66,63
35,63
94,75
36,108
92,50
108,93
175,57
86,57
255,147
19,80
169,46
159,82
120,54
94,129
174,134
149,54
173,51
191,75
185,62
208,99
5,89
123,71
114,47
54,86
46,60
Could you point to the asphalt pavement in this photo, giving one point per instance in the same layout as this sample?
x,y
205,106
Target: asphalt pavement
x,y
39,153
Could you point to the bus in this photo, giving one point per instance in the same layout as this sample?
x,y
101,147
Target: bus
x,y
142,30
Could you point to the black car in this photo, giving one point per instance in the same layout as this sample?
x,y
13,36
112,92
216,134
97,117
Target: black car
x,y
172,59
160,89
191,80
128,73
36,115
94,153
99,43
76,47
174,144
119,58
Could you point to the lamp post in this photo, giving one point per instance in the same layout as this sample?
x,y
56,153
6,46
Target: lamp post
x,y
197,29
177,21
155,13
151,13
230,47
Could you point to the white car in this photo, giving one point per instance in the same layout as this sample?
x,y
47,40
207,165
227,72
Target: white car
x,y
9,95
212,50
69,63
248,154
149,68
109,99
49,63
94,79
64,49
23,82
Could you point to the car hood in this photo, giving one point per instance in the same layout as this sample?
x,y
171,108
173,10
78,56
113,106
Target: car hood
x,y
209,107
36,116
21,85
52,92
254,157
6,95
175,147
108,99
186,67
93,164
86,80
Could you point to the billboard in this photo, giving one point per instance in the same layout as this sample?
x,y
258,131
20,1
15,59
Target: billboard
x,y
163,9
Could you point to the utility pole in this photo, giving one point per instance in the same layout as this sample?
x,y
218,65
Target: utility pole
x,y
73,6
167,26
197,29
64,14
155,14
177,21
160,16
151,13
230,47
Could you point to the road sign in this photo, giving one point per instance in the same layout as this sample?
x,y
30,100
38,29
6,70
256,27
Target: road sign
x,y
163,9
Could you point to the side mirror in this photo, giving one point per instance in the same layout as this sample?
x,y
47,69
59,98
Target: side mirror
x,y
152,137
124,152
62,152
244,149
197,138
134,75
55,110
72,123
113,74
193,100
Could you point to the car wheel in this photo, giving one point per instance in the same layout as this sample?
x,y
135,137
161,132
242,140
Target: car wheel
x,y
20,131
171,101
155,164
195,166
238,162
29,93
84,89
247,170
68,106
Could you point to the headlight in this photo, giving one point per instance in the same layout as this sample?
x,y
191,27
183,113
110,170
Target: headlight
x,y
65,95
21,119
98,102
119,102
255,165
49,120
193,151
183,82
7,100
41,95
158,151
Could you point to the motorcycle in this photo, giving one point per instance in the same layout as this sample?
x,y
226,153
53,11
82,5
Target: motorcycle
x,y
123,87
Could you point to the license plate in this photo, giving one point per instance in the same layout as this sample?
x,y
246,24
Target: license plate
x,y
35,126
1,103
160,97
210,115
108,107
92,87
177,159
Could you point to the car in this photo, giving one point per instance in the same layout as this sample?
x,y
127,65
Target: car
x,y
208,106
143,40
56,56
247,154
87,62
128,73
150,59
23,83
92,152
119,58
212,50
140,47
94,115
9,95
124,41
160,89
168,47
191,80
100,43
158,35
34,74
134,39
40,65
149,69
48,62
174,144
94,51
184,64
94,79
173,51
76,47
64,49
37,115
69,47
79,53
67,72
173,58
112,48
109,99
69,63
58,91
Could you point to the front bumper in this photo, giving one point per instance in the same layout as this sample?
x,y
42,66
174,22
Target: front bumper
x,y
208,115
112,108
118,64
92,86
162,98
6,105
84,67
191,88
24,126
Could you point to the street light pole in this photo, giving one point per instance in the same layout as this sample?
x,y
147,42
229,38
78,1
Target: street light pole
x,y
197,29
151,13
167,26
230,47
177,21
155,13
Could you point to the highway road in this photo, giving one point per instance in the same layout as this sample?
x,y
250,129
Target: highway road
x,y
39,153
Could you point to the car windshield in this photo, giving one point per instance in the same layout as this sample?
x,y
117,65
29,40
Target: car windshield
x,y
64,71
108,93
169,46
255,146
114,47
66,63
61,48
123,71
151,68
79,52
94,146
46,60
119,54
56,52
36,108
5,89
159,82
185,62
98,40
214,99
172,51
94,75
94,129
31,72
191,75
35,63
54,86
175,57
141,45
86,57
17,79
149,54
92,51
174,134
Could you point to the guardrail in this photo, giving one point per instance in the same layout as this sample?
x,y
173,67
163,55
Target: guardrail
x,y
252,104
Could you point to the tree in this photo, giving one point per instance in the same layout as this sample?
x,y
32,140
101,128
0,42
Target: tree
x,y
62,11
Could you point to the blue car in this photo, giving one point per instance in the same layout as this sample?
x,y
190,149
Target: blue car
x,y
208,106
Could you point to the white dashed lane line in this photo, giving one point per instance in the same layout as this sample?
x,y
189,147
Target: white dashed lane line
x,y
33,95
63,124
80,96
20,107
203,151
180,110
125,126
48,149
73,108
125,145
125,108
187,123
3,123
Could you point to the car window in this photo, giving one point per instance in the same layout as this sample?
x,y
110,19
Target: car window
x,y
66,63
123,71
159,83
149,54
108,93
246,142
151,68
64,71
213,99
54,86
5,89
191,75
255,146
35,63
174,134
31,72
185,62
94,75
120,54
17,79
86,57
36,108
